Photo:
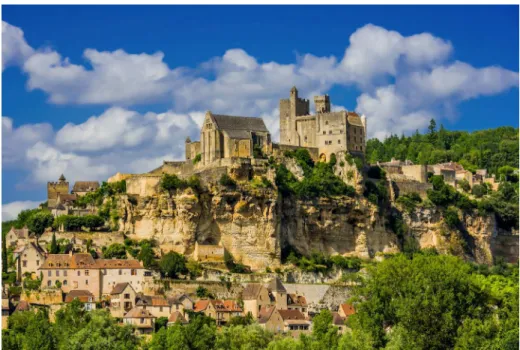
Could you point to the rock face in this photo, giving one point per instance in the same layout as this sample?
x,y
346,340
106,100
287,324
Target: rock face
x,y
256,224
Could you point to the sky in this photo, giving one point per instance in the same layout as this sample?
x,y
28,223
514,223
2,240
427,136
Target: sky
x,y
89,91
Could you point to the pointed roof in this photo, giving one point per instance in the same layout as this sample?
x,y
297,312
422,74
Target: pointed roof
x,y
120,288
294,89
176,316
62,178
275,285
251,291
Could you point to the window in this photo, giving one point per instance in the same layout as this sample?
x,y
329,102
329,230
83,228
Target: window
x,y
25,255
38,262
79,273
133,272
339,142
64,282
327,122
120,272
355,131
49,283
86,282
127,296
75,283
65,273
24,263
86,272
324,132
160,309
341,131
57,273
142,320
330,132
305,138
49,273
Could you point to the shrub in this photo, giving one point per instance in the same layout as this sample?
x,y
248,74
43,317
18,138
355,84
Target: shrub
x,y
172,264
261,182
115,250
479,190
333,160
38,222
258,153
202,292
464,185
77,223
342,164
409,201
451,218
376,172
194,183
226,180
197,158
171,183
303,159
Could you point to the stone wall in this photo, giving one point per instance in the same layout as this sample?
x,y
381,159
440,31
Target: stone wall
x,y
278,150
44,297
406,187
99,239
415,172
143,185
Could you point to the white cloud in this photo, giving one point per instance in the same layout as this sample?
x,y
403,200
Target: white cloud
x,y
11,210
15,49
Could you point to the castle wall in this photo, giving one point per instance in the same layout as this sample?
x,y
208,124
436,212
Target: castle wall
x,y
208,253
355,139
285,121
306,130
407,187
279,149
143,185
119,177
416,172
331,133
55,188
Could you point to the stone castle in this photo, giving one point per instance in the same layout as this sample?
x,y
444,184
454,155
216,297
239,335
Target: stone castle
x,y
324,133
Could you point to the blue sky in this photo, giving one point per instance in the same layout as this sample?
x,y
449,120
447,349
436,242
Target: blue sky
x,y
92,90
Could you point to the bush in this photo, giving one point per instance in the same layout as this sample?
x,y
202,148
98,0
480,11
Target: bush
x,y
202,292
226,180
375,172
451,218
261,182
234,266
30,284
479,190
464,185
197,158
258,153
303,159
172,264
115,250
171,183
77,223
38,222
409,201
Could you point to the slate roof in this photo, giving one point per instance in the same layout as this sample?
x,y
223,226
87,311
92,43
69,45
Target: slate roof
x,y
82,295
291,315
229,122
265,313
176,316
177,299
118,264
275,285
65,197
295,299
119,288
139,313
67,261
251,291
85,186
337,320
238,134
151,300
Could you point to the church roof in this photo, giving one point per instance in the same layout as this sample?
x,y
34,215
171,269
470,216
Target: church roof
x,y
232,123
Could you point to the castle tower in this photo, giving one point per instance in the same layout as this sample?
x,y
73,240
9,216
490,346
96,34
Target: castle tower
x,y
55,188
187,148
322,104
289,109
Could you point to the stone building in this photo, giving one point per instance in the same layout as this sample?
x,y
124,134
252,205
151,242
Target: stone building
x,y
56,188
208,253
84,296
330,132
142,320
16,237
5,309
81,188
122,299
156,304
220,310
225,136
28,258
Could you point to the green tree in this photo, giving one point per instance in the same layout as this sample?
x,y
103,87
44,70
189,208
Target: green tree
x,y
4,255
40,334
432,131
243,337
38,222
147,256
54,246
115,250
172,264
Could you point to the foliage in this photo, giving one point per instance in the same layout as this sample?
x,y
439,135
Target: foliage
x,y
233,266
161,322
451,217
376,172
4,255
54,246
38,222
319,262
376,193
97,197
30,284
171,183
115,250
197,158
243,337
9,277
202,292
78,223
146,255
194,268
427,311
172,264
226,180
464,185
241,320
409,201
261,182
484,149
479,191
258,152
303,159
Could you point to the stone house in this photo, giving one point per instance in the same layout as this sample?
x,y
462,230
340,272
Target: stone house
x,y
278,292
56,188
346,310
84,296
16,237
122,299
339,322
208,253
142,320
28,258
157,305
180,303
255,296
297,302
330,132
175,317
270,319
220,310
225,136
295,323
73,271
114,271
81,188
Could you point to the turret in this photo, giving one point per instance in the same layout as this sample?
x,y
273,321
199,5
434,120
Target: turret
x,y
322,104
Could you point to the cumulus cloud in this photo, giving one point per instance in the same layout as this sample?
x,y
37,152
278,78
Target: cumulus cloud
x,y
15,49
11,210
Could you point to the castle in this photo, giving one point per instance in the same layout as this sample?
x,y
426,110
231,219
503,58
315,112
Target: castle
x,y
61,202
324,133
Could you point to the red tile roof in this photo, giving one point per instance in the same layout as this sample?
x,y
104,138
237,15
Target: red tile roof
x,y
84,296
347,309
139,313
118,264
291,315
176,316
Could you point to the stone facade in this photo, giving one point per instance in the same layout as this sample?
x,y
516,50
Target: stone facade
x,y
28,259
208,253
56,188
330,132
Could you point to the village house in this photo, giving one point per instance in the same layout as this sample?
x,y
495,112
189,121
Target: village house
x,y
294,322
81,188
220,310
176,317
157,305
16,237
255,296
346,310
142,320
81,271
208,253
180,303
28,259
122,299
340,318
297,302
270,319
84,296
339,322
114,271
